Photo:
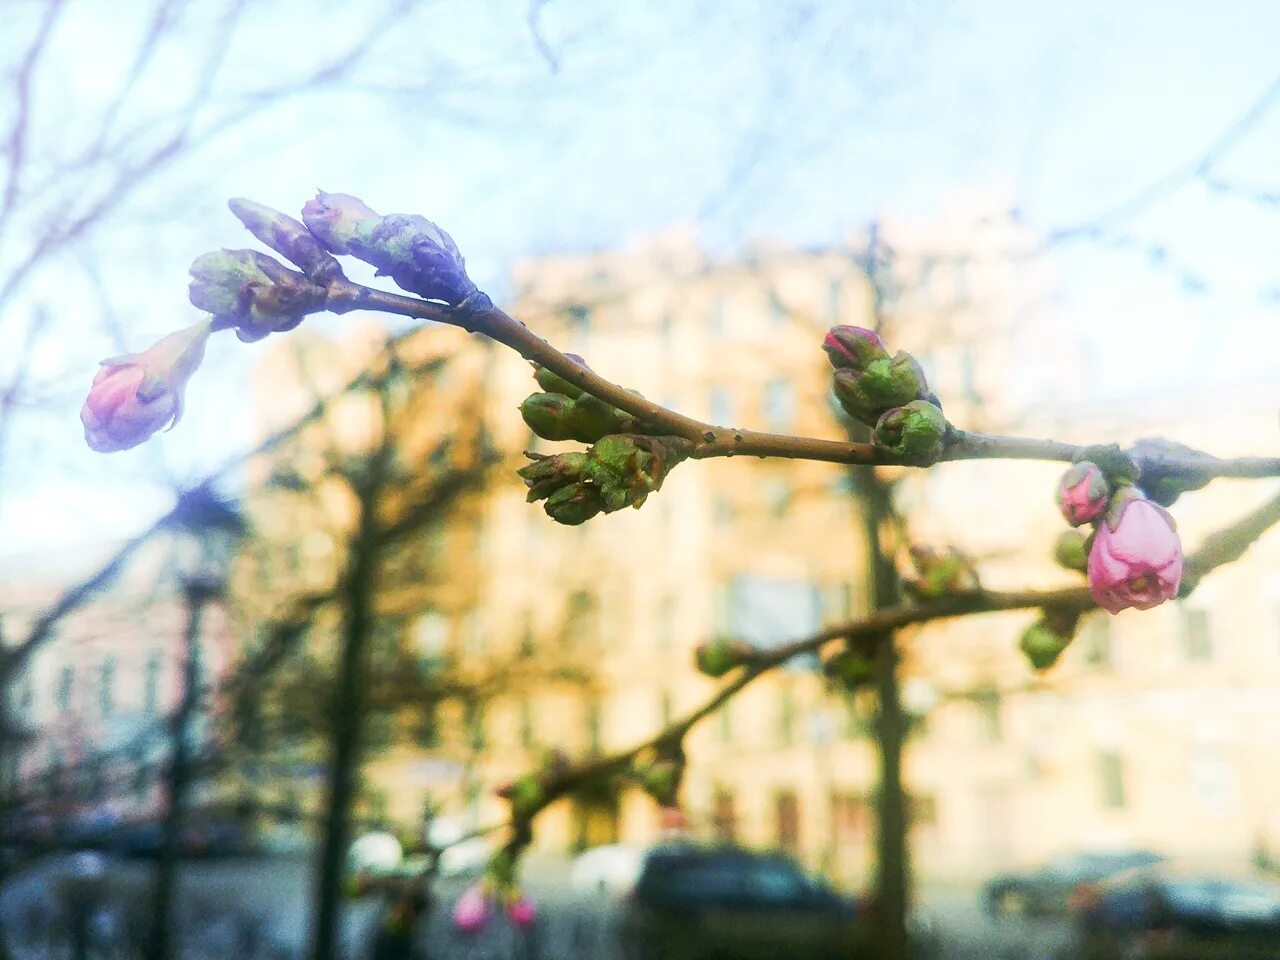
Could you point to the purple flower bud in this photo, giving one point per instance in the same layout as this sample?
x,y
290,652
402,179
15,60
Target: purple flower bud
x,y
255,292
1082,493
287,237
853,348
336,218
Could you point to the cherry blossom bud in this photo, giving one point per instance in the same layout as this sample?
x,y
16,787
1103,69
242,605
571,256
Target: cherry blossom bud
x,y
1162,479
522,910
852,669
627,468
915,433
1083,492
1072,550
546,475
1044,641
554,383
255,292
335,219
547,415
852,348
590,419
136,394
526,795
882,385
471,911
718,657
1136,558
940,574
288,237
574,505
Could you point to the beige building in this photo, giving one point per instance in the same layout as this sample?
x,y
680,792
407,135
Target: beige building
x,y
1151,731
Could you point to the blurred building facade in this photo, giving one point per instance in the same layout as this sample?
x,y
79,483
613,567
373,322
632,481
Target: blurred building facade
x,y
1151,722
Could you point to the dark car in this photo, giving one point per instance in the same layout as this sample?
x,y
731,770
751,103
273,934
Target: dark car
x,y
1165,914
1050,888
693,902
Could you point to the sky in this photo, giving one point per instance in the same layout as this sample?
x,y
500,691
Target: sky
x,y
583,126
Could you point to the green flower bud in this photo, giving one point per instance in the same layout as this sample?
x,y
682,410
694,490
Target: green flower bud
x,y
893,383
574,504
850,668
718,657
527,796
1072,550
1114,462
589,419
845,384
554,383
661,780
628,467
852,348
288,237
1043,642
915,433
546,475
547,415
256,292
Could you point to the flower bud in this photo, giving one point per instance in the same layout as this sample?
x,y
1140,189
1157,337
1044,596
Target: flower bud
x,y
915,433
627,468
413,251
661,780
547,415
136,394
1082,493
1136,557
554,383
521,910
1162,481
721,655
574,504
590,419
941,574
882,385
1072,550
527,796
852,669
289,238
336,218
471,911
256,292
852,348
1043,642
546,475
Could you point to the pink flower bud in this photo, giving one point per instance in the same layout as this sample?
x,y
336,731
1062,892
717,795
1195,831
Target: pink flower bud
x,y
522,911
335,219
1136,558
1082,493
471,911
136,394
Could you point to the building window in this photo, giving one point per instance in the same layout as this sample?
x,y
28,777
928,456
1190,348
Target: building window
x,y
724,818
1212,780
787,816
66,686
721,406
779,405
151,688
786,717
106,687
1197,640
1111,780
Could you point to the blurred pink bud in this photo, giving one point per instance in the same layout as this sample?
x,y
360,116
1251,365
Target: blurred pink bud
x,y
136,394
1136,559
522,911
471,911
1082,493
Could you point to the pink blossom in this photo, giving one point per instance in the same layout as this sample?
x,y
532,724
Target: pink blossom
x,y
522,911
1082,493
1136,558
136,394
471,911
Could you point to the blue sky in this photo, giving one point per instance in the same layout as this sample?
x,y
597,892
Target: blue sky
x,y
786,120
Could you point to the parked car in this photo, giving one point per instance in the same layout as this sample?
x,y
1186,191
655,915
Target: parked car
x,y
1167,914
1050,888
694,902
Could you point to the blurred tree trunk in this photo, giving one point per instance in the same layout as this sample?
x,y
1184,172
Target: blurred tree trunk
x,y
349,707
178,780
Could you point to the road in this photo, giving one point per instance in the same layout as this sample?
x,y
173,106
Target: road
x,y
258,910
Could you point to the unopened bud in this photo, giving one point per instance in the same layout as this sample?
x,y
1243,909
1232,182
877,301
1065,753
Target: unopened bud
x,y
718,657
547,415
941,574
881,385
1164,482
336,219
1072,550
574,504
1044,641
527,796
589,419
853,348
257,293
288,237
554,383
546,475
627,468
915,433
852,669
1082,493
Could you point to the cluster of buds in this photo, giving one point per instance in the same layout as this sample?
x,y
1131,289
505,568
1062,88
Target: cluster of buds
x,y
940,573
1043,642
888,394
475,907
530,792
410,249
562,411
719,656
253,292
619,470
1134,555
